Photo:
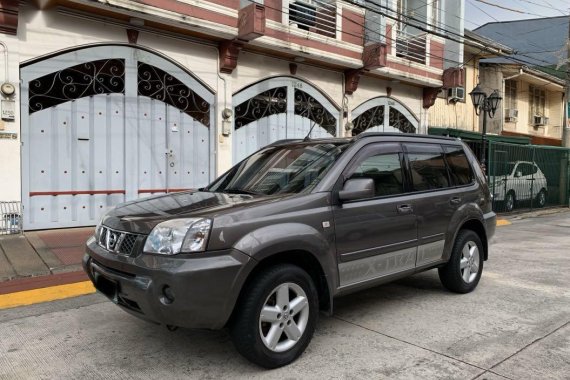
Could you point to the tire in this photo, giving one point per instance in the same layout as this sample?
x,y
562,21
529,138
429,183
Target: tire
x,y
463,271
252,336
541,198
510,200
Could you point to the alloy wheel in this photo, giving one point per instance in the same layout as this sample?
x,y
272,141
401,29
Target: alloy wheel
x,y
469,264
284,317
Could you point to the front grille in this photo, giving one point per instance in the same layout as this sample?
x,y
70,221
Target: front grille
x,y
122,243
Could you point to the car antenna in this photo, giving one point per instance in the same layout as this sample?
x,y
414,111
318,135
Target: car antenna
x,y
308,137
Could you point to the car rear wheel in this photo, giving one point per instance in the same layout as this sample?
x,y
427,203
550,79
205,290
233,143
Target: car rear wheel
x,y
541,198
462,272
276,317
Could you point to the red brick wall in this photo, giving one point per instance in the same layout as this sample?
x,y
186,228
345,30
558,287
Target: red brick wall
x,y
273,10
352,27
436,54
389,39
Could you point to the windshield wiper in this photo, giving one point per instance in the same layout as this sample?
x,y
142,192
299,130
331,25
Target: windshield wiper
x,y
236,190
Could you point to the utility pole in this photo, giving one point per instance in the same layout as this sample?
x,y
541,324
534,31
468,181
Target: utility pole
x,y
566,124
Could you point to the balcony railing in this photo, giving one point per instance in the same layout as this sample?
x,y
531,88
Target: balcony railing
x,y
411,46
318,16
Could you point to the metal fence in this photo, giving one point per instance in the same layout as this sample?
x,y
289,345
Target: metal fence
x,y
10,218
526,177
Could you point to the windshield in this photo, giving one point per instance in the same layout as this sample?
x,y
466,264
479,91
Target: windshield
x,y
280,169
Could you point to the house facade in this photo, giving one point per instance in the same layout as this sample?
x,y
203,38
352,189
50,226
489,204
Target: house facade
x,y
119,99
532,103
453,108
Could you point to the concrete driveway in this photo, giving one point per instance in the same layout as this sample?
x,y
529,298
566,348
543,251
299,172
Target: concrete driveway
x,y
516,325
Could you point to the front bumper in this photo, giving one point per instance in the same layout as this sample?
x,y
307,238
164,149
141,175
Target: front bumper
x,y
204,286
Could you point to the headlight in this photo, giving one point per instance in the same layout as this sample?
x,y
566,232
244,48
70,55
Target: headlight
x,y
98,227
179,235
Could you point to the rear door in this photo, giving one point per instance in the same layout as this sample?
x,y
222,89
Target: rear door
x,y
436,198
376,237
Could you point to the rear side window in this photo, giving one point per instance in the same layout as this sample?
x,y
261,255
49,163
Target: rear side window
x,y
427,167
459,169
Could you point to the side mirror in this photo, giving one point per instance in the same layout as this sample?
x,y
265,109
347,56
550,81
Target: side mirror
x,y
518,174
357,188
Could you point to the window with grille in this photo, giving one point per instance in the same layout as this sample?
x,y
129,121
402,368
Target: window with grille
x,y
537,102
511,94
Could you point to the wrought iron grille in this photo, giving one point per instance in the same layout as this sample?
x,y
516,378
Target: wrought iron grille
x,y
265,104
371,118
399,121
10,218
160,85
119,242
309,107
104,76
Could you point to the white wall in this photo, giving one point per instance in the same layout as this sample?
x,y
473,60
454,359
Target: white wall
x,y
46,32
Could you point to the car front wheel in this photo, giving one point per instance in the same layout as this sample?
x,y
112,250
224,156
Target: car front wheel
x,y
276,317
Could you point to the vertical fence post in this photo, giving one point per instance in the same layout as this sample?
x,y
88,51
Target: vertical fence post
x,y
532,179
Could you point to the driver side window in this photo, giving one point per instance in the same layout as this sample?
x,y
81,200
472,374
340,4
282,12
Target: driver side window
x,y
386,172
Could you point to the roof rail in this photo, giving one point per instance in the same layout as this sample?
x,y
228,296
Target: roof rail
x,y
407,135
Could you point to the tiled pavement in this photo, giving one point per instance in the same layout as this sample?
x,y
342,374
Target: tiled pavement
x,y
42,258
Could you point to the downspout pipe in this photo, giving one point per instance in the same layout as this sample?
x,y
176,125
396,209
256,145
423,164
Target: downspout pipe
x,y
5,61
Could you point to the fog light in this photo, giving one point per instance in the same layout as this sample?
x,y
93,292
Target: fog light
x,y
168,295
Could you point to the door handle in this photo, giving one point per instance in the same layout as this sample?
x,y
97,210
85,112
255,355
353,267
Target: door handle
x,y
405,209
455,200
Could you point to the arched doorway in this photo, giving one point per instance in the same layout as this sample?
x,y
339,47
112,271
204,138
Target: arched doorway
x,y
106,124
280,108
383,114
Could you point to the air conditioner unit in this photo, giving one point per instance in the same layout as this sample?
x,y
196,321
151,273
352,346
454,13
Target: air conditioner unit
x,y
540,120
511,115
455,94
302,14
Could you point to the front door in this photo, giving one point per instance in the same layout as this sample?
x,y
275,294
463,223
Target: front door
x,y
376,237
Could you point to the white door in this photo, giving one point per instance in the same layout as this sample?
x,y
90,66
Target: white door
x,y
383,114
108,124
280,108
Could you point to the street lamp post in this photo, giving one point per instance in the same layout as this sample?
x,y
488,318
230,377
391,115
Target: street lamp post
x,y
489,105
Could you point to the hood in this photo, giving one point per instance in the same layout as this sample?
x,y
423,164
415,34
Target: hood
x,y
142,215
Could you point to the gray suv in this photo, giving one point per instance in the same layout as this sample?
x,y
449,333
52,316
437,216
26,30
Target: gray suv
x,y
275,239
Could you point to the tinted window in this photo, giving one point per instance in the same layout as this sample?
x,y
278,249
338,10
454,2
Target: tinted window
x,y
460,170
386,172
428,171
280,169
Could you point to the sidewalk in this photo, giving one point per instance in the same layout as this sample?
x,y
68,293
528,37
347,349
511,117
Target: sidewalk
x,y
38,259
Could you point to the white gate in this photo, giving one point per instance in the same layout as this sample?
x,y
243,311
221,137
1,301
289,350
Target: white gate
x,y
383,114
107,124
280,108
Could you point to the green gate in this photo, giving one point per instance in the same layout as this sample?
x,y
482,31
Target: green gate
x,y
526,177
